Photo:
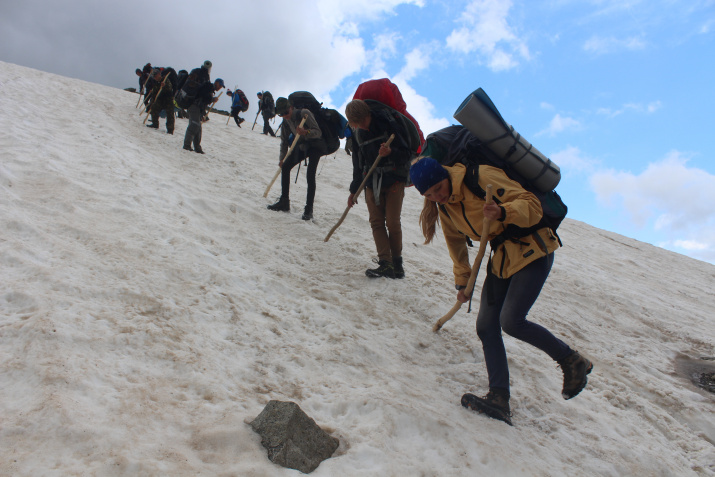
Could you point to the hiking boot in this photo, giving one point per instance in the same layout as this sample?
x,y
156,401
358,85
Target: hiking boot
x,y
169,131
385,269
283,205
308,213
397,264
188,148
240,121
198,149
576,369
495,404
153,126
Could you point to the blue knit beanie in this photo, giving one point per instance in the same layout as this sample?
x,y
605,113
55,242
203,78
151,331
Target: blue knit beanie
x,y
427,172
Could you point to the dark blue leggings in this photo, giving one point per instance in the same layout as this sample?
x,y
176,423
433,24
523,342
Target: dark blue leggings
x,y
511,299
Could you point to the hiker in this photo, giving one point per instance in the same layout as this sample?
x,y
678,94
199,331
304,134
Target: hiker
x,y
385,190
310,145
515,273
197,109
267,110
142,79
163,102
237,105
181,78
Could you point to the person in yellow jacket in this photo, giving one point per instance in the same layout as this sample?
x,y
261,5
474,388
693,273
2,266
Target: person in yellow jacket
x,y
516,271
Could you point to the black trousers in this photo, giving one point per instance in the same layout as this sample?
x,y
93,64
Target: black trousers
x,y
313,152
267,127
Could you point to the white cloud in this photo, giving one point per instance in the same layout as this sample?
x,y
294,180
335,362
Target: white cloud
x,y
603,45
691,245
560,124
572,159
484,29
333,12
649,108
674,198
416,61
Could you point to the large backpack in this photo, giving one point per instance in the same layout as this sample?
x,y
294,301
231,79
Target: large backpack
x,y
240,101
186,96
332,124
173,77
180,80
269,106
387,93
456,144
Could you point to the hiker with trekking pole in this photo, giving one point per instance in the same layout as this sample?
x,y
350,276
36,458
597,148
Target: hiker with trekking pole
x,y
142,79
195,96
308,144
163,100
385,186
458,197
239,104
266,108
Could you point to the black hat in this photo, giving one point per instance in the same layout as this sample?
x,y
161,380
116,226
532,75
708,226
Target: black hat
x,y
282,106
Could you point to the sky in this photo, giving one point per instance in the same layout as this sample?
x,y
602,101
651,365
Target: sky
x,y
618,93
150,307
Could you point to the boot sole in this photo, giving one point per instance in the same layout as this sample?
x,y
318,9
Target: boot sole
x,y
479,405
582,385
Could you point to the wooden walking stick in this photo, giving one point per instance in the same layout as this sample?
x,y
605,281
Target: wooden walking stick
x,y
292,146
475,268
255,120
141,92
216,101
359,191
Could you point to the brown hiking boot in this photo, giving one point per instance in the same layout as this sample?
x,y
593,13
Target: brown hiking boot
x,y
576,369
495,404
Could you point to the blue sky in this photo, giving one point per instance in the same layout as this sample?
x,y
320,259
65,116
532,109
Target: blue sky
x,y
619,93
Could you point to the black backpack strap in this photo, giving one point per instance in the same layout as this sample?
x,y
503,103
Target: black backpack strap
x,y
471,180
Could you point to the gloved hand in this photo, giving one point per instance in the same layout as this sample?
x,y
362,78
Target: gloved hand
x,y
349,146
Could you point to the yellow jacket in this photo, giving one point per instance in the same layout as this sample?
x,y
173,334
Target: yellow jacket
x,y
463,215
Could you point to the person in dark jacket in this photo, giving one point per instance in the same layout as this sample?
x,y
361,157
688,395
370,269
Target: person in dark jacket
x,y
310,145
142,80
145,81
198,108
516,272
266,112
385,189
162,96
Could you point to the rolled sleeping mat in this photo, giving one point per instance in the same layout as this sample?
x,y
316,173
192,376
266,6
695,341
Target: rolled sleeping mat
x,y
478,114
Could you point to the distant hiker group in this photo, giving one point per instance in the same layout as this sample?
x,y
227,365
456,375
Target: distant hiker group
x,y
480,180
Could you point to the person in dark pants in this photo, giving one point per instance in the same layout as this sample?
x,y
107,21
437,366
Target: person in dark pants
x,y
197,109
163,102
237,105
516,272
310,145
268,112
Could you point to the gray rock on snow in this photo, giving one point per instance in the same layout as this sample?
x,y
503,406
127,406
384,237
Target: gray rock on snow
x,y
292,438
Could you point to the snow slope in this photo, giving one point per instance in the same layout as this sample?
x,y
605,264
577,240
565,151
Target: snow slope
x,y
150,306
